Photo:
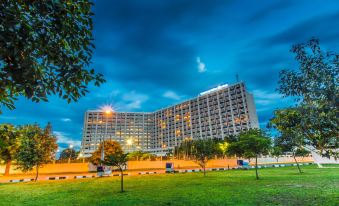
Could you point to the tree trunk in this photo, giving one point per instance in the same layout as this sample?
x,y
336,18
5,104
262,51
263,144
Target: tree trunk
x,y
204,167
37,173
296,163
122,181
256,167
8,167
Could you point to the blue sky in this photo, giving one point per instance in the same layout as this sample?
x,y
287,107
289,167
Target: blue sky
x,y
157,53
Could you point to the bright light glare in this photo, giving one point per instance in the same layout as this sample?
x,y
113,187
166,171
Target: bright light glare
x,y
70,146
129,142
107,109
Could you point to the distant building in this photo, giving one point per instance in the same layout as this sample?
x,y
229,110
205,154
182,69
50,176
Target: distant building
x,y
224,110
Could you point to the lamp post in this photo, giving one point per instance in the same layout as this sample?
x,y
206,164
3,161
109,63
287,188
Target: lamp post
x,y
129,144
107,112
70,154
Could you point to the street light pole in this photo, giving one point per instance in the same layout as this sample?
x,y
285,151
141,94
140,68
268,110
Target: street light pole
x,y
107,112
70,154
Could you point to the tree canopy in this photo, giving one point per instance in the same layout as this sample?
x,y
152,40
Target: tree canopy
x,y
315,88
110,148
68,153
45,48
251,143
37,147
9,143
118,160
203,150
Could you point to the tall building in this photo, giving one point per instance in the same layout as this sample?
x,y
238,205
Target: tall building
x,y
224,110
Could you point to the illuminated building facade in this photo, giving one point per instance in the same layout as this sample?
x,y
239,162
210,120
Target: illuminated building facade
x,y
224,110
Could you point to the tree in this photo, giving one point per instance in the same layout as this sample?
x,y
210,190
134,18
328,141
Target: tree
x,y
46,48
276,152
68,154
9,137
203,150
287,122
302,152
37,147
315,88
253,142
118,160
223,146
110,148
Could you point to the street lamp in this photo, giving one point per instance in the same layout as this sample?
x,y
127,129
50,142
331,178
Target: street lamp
x,y
129,144
70,154
107,110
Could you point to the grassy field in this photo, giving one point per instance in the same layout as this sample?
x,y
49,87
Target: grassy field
x,y
277,186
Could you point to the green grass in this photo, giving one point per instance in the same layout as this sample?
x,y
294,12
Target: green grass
x,y
277,186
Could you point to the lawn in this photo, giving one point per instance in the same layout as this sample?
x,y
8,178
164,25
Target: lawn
x,y
277,186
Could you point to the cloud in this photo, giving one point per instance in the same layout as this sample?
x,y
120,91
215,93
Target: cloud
x,y
66,120
64,139
171,95
264,98
201,65
131,101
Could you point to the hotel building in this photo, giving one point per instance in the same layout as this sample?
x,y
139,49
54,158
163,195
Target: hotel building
x,y
224,110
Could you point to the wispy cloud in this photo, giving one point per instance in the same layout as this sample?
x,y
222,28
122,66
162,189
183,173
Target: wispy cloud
x,y
63,138
201,65
132,100
171,95
66,120
265,98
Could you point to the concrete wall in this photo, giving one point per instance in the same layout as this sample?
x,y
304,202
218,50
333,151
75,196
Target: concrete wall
x,y
144,165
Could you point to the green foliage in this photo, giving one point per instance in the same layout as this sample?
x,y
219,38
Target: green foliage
x,y
118,160
204,150
230,138
302,152
110,148
46,48
287,121
276,152
315,87
37,147
9,142
251,144
68,153
140,155
223,146
9,138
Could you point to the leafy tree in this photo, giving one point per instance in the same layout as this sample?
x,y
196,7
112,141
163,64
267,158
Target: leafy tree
x,y
46,48
37,147
253,142
148,156
110,148
287,122
68,154
203,150
230,138
9,137
276,152
302,152
315,87
118,160
223,146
